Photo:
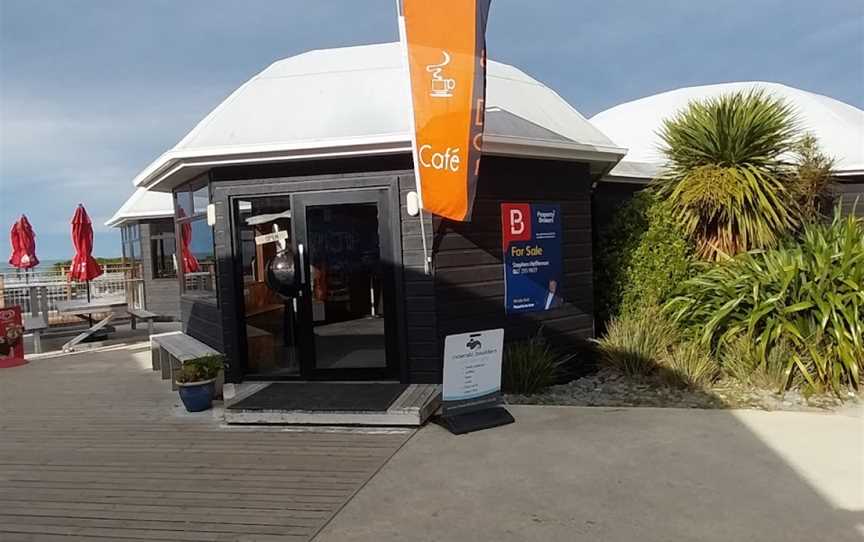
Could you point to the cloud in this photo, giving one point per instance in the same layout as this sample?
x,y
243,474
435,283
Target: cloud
x,y
91,91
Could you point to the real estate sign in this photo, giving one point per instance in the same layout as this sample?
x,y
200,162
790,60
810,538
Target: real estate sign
x,y
531,243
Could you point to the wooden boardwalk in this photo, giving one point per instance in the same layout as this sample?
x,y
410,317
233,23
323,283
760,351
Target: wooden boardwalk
x,y
94,446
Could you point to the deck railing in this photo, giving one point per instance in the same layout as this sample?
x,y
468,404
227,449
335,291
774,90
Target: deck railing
x,y
117,280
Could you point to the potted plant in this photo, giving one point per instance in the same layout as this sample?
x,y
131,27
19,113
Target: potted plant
x,y
196,382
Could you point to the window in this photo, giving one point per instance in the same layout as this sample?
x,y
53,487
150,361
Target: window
x,y
130,235
195,254
163,250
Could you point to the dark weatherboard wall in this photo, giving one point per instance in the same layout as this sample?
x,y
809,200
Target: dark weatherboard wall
x,y
468,268
849,190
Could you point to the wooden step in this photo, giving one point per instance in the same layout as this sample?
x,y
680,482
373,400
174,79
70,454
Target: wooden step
x,y
412,408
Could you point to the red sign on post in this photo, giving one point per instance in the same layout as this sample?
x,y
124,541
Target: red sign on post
x,y
11,338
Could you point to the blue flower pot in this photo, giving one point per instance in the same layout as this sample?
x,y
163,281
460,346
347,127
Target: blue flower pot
x,y
197,396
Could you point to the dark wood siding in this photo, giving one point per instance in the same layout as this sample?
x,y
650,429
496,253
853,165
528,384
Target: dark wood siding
x,y
850,190
202,320
424,357
469,274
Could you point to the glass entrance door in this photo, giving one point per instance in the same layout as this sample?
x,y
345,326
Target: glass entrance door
x,y
345,260
268,315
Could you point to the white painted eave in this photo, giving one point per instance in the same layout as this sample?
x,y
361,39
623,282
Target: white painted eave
x,y
116,222
175,167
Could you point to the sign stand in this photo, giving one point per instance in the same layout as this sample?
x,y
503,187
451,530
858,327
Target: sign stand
x,y
471,397
459,424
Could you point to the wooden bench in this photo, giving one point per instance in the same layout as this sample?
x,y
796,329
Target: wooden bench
x,y
169,351
141,314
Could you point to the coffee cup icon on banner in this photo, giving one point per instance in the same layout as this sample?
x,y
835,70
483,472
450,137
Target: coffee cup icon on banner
x,y
442,87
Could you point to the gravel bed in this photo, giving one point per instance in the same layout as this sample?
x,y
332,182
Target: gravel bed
x,y
610,388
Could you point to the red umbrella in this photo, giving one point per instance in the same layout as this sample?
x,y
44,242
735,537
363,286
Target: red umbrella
x,y
190,262
23,242
15,241
27,241
84,267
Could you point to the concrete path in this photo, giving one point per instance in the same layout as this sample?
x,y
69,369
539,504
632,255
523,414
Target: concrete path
x,y
613,474
95,446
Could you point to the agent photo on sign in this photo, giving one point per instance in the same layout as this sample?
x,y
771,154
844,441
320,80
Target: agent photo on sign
x,y
553,299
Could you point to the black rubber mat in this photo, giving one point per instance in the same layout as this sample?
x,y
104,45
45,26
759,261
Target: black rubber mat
x,y
323,396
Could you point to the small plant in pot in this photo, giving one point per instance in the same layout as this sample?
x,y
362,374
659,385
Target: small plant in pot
x,y
196,382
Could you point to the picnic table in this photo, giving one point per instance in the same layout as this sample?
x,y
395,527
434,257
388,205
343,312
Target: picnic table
x,y
109,305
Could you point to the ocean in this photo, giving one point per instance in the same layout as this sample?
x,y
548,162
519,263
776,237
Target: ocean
x,y
45,266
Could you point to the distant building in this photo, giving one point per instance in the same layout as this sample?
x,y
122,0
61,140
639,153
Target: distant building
x,y
635,125
146,223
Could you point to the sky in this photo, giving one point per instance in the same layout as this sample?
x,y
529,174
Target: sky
x,y
91,91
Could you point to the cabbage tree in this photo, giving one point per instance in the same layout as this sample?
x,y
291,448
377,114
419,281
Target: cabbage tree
x,y
728,179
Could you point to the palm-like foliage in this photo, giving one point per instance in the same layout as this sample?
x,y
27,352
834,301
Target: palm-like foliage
x,y
813,177
809,293
726,179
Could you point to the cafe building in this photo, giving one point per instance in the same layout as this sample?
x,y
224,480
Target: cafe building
x,y
146,224
296,199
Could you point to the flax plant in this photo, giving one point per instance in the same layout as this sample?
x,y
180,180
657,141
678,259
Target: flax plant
x,y
809,292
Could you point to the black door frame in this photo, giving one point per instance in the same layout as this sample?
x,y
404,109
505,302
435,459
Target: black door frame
x,y
300,202
223,195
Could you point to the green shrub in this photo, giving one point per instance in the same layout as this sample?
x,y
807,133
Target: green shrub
x,y
636,343
809,292
642,257
813,177
529,366
741,361
688,365
200,369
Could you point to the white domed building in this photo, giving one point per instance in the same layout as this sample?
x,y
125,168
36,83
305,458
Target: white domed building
x,y
305,172
635,125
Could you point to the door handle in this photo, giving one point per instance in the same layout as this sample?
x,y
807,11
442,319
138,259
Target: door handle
x,y
301,255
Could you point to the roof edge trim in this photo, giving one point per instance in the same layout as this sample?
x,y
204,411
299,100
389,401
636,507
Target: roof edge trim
x,y
162,174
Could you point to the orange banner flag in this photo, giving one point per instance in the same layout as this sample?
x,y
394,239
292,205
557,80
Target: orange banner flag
x,y
445,44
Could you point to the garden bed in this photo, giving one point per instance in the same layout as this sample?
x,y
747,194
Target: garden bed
x,y
610,388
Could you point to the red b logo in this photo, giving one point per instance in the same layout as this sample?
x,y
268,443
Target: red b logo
x,y
515,222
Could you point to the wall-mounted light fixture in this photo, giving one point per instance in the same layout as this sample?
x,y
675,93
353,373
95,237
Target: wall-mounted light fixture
x,y
413,203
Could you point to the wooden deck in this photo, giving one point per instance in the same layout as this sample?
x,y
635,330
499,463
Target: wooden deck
x,y
94,446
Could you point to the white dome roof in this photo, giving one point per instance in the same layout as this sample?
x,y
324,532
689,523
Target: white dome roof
x,y
354,101
635,125
143,204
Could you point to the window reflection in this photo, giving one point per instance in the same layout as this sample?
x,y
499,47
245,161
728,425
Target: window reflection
x,y
195,252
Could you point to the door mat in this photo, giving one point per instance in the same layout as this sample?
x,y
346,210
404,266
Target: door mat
x,y
324,397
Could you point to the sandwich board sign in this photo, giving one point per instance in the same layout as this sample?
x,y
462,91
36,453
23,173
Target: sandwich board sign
x,y
471,394
11,338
